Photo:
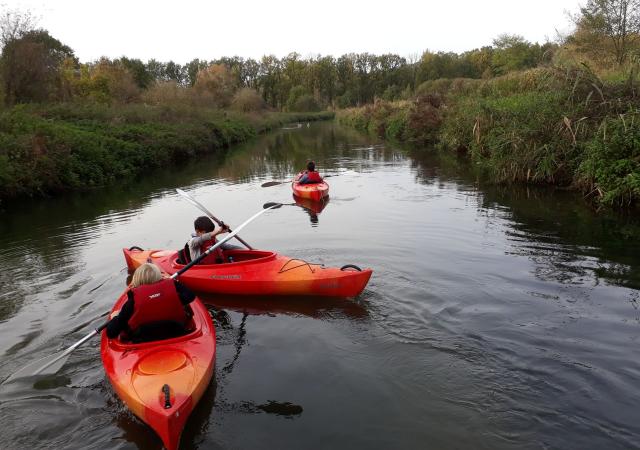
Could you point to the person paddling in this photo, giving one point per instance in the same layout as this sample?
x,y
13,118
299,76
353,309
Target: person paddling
x,y
203,238
310,175
156,308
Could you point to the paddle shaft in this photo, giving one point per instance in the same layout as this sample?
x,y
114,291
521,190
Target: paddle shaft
x,y
220,223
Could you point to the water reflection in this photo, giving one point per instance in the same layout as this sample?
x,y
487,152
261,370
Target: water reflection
x,y
312,208
554,228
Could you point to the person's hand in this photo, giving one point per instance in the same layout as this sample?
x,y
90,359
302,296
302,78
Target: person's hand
x,y
114,314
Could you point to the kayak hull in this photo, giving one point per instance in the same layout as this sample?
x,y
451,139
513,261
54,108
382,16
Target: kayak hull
x,y
314,191
138,373
258,272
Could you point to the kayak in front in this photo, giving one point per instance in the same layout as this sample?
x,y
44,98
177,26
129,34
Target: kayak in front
x,y
311,191
257,272
162,381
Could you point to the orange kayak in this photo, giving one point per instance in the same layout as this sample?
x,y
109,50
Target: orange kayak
x,y
313,191
257,272
162,381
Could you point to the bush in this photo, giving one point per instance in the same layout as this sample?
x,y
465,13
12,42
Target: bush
x,y
611,168
247,100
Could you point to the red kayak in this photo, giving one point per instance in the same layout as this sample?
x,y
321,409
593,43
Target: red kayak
x,y
162,381
257,272
311,191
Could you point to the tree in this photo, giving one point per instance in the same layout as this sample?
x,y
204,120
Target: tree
x,y
111,80
30,65
513,52
618,20
15,24
217,81
247,100
138,70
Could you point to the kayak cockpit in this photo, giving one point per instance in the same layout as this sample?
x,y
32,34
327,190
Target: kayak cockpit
x,y
233,257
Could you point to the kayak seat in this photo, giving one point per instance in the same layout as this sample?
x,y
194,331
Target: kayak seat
x,y
164,329
184,256
158,331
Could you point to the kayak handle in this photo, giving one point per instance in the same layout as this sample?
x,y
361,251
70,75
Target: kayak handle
x,y
351,266
167,400
135,247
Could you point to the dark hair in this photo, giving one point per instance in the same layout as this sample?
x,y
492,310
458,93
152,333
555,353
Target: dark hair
x,y
311,166
203,223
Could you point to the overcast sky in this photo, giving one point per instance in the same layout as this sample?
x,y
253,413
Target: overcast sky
x,y
183,30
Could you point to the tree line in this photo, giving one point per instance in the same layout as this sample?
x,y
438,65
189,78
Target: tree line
x,y
37,67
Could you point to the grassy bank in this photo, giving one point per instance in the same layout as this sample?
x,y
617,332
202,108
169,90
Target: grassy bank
x,y
53,148
565,127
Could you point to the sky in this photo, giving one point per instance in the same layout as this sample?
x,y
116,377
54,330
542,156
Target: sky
x,y
183,30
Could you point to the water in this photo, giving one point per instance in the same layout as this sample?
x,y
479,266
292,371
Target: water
x,y
497,317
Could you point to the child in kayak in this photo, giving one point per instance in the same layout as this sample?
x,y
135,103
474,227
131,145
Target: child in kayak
x,y
310,175
203,238
155,308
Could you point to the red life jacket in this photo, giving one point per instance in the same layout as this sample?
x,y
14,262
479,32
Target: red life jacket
x,y
156,302
313,177
215,256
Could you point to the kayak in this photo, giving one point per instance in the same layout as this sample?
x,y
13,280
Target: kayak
x,y
312,191
257,272
162,381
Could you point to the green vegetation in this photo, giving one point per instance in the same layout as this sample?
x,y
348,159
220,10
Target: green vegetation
x,y
47,149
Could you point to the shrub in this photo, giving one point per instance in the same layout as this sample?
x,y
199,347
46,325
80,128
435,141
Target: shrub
x,y
247,100
611,168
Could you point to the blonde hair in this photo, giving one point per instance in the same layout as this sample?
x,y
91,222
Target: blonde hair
x,y
146,274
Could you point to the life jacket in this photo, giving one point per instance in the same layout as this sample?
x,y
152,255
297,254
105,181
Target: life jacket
x,y
156,302
214,257
313,177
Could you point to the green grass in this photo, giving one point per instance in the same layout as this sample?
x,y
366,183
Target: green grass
x,y
46,149
559,126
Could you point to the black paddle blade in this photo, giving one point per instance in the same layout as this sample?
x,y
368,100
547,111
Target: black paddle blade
x,y
271,183
272,205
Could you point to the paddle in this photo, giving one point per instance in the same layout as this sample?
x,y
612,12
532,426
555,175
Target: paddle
x,y
49,365
201,207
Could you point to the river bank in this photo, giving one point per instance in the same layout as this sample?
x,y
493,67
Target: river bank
x,y
47,149
562,127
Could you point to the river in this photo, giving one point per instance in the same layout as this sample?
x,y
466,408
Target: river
x,y
497,317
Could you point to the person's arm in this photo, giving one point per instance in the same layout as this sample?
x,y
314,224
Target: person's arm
x,y
198,241
186,296
118,323
304,178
